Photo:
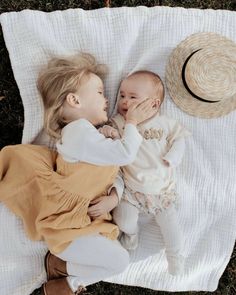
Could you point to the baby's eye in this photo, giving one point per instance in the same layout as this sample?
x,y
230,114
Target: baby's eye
x,y
133,97
100,92
122,96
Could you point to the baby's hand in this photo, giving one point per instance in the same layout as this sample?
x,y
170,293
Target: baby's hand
x,y
109,131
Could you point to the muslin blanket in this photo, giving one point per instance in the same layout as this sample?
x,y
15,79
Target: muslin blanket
x,y
129,39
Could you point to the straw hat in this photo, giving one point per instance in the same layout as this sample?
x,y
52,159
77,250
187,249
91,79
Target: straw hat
x,y
201,75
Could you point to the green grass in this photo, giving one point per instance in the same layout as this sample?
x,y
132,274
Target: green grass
x,y
12,117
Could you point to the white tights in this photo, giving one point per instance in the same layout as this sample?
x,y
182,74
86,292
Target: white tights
x,y
93,258
126,217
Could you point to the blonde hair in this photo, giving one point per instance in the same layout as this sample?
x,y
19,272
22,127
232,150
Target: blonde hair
x,y
157,82
60,77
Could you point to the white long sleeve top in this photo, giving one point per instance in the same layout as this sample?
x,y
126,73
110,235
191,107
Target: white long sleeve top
x,y
81,141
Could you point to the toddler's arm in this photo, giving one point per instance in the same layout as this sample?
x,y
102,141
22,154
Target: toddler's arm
x,y
103,204
109,131
81,141
106,204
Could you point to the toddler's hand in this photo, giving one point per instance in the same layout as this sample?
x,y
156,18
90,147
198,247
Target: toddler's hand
x,y
139,112
109,131
102,205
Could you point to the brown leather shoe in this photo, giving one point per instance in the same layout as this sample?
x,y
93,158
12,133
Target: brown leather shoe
x,y
55,267
59,287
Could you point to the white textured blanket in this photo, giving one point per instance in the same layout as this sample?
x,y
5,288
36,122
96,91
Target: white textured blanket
x,y
129,39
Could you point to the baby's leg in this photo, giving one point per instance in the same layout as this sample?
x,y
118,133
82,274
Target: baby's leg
x,y
173,239
91,259
125,215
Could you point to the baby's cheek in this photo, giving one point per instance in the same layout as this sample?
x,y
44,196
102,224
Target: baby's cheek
x,y
119,109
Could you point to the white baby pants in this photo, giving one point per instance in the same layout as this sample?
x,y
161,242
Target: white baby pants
x,y
125,215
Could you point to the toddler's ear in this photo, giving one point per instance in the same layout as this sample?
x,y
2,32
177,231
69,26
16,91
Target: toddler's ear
x,y
158,102
73,100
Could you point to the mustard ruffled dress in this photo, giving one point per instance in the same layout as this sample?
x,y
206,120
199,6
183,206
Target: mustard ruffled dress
x,y
52,196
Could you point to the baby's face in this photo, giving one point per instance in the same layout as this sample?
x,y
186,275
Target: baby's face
x,y
134,88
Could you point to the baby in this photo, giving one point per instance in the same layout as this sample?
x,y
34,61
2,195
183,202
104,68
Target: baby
x,y
149,182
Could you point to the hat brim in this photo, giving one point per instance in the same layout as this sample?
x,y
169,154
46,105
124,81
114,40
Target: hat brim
x,y
180,95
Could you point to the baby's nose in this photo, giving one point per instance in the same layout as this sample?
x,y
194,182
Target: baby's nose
x,y
126,102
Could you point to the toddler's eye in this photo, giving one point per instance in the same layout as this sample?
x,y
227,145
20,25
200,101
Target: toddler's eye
x,y
133,97
100,92
122,96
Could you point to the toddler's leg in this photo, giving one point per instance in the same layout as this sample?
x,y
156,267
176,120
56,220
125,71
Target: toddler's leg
x,y
125,215
173,239
91,259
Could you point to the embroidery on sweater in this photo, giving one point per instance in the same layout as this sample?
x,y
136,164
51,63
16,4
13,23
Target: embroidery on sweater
x,y
152,133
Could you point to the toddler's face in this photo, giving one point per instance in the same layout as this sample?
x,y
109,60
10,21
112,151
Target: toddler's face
x,y
93,102
134,88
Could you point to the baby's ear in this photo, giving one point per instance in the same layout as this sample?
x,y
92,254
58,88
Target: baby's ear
x,y
73,100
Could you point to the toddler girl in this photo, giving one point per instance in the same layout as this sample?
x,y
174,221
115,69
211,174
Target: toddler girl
x,y
149,181
62,197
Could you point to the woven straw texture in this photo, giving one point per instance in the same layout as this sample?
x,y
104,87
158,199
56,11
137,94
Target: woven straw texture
x,y
210,74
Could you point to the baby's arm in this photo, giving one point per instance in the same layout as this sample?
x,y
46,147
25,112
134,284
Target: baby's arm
x,y
175,154
176,142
